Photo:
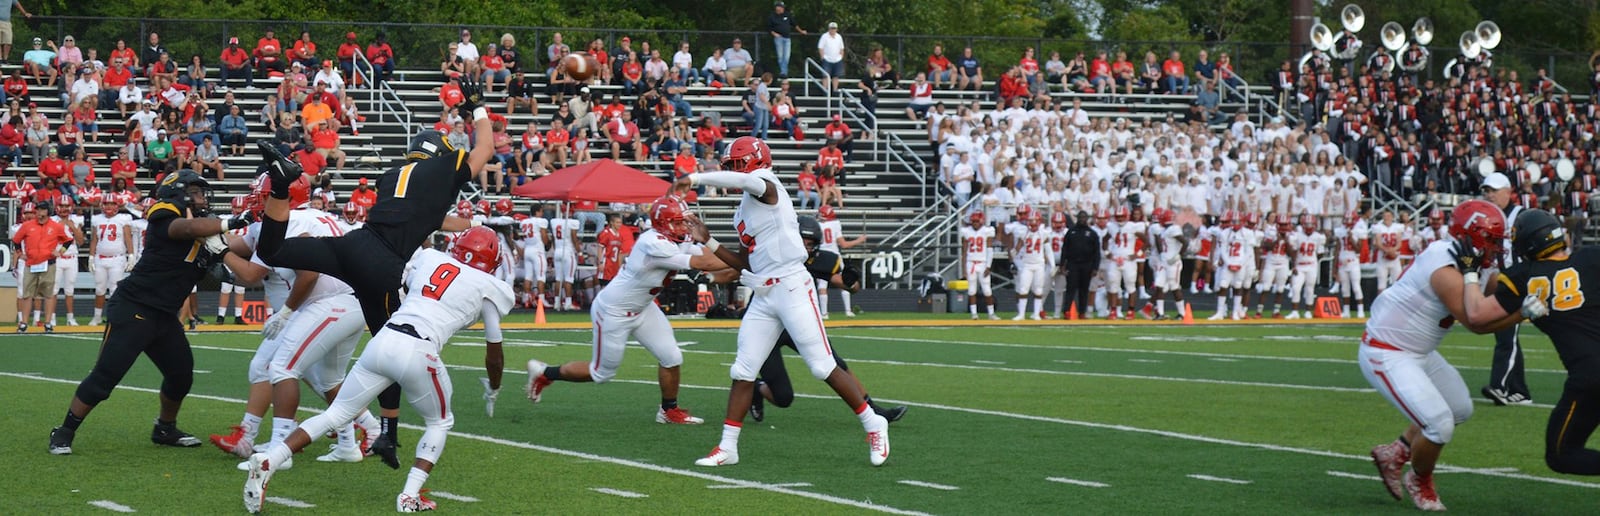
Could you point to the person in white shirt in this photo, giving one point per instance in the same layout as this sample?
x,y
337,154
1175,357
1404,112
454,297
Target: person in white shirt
x,y
446,294
109,251
977,240
564,259
1386,237
684,61
626,309
1276,246
1350,238
1307,244
67,263
536,235
1166,265
832,240
1030,251
830,47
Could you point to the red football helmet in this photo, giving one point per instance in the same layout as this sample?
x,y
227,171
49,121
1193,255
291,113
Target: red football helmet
x,y
1436,217
1482,223
27,208
504,207
825,212
1166,217
64,205
667,217
1122,214
352,212
482,207
977,218
1252,220
747,154
299,190
1308,223
479,248
1229,218
1284,222
110,206
464,209
1058,220
239,204
1035,219
1351,218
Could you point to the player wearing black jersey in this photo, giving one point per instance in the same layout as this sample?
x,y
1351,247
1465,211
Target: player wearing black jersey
x,y
1547,287
181,244
413,202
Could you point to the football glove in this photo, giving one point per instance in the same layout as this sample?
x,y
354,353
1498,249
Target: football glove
x,y
489,396
1467,257
216,245
471,98
132,260
851,278
1533,307
276,323
242,221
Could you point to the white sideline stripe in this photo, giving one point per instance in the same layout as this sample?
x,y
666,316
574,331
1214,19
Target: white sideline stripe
x,y
618,492
989,362
1220,359
1356,476
1210,478
929,485
111,506
1067,361
452,496
569,453
1144,360
791,484
290,502
1084,483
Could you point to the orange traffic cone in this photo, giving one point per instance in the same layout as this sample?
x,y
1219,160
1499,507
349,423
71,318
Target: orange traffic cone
x,y
538,312
1188,313
1072,312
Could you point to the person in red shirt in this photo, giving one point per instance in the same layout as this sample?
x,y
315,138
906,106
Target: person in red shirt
x,y
182,149
684,164
112,80
17,87
311,161
19,188
708,136
124,168
325,139
632,75
304,52
939,68
364,196
39,240
235,63
127,55
347,58
381,55
494,68
610,240
839,132
269,54
1030,67
450,91
830,156
1122,72
11,140
67,136
623,133
53,167
1175,80
806,188
557,143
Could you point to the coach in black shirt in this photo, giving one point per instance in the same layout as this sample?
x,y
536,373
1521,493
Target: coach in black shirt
x,y
1080,258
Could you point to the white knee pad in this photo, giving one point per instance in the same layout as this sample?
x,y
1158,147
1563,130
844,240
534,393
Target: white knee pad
x,y
261,362
431,445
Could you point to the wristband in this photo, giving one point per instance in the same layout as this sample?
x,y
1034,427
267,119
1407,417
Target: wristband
x,y
1470,278
713,245
480,114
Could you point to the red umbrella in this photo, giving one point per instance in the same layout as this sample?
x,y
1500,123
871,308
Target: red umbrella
x,y
601,180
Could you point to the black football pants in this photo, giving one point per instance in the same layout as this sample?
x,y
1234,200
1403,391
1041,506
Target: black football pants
x,y
1506,373
132,330
1571,423
776,376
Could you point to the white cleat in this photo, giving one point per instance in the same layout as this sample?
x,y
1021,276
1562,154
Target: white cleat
x,y
1218,316
721,457
848,313
1034,317
824,316
1019,316
1238,316
245,466
72,321
489,395
974,317
338,454
878,440
418,503
1422,492
255,485
95,321
994,317
536,380
1292,315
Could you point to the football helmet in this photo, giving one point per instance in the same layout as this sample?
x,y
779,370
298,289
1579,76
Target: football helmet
x,y
240,204
479,248
428,144
747,154
977,219
175,189
1284,223
1122,214
1252,220
1035,220
110,206
1538,234
1228,218
504,207
299,190
1308,223
1058,220
482,207
1166,217
1482,224
810,230
352,212
64,205
667,218
464,209
825,212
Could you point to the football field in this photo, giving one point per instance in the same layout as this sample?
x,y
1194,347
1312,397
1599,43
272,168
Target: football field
x,y
1138,418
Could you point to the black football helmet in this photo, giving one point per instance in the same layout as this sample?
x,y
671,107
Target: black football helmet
x,y
174,189
1538,234
810,230
428,144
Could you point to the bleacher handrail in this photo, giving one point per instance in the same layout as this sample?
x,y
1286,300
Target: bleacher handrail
x,y
380,94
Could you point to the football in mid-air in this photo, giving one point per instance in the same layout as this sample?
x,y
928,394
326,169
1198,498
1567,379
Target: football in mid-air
x,y
580,65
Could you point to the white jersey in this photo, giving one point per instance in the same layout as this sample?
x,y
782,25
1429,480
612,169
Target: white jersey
x,y
1307,248
1387,235
1125,240
831,233
1275,247
302,222
1349,240
1409,315
1171,243
1239,247
137,228
532,230
977,243
651,265
1428,235
770,232
562,233
1058,241
445,295
71,254
1033,248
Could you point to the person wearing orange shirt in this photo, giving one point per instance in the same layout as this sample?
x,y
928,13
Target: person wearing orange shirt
x,y
1100,73
830,156
315,112
840,133
1122,71
235,63
450,91
1176,80
304,52
39,240
269,53
364,196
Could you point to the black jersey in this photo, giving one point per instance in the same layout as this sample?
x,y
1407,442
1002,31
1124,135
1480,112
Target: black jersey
x,y
824,264
1574,323
168,269
414,198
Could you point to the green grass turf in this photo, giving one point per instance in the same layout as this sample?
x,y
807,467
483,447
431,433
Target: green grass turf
x,y
996,411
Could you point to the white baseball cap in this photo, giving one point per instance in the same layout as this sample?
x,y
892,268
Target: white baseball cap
x,y
1496,181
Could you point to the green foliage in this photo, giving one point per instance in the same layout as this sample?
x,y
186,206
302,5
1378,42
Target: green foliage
x,y
1161,23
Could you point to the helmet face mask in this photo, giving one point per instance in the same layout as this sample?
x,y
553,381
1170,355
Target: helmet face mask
x,y
747,154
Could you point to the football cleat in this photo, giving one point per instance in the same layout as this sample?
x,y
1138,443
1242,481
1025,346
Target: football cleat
x,y
386,448
95,321
170,435
221,319
236,320
1391,462
234,443
676,416
1034,316
1422,493
536,380
994,317
758,407
1220,315
1149,311
72,321
255,483
279,168
1128,316
61,440
1292,315
1019,316
287,464
367,439
49,328
878,440
974,317
1503,397
719,457
409,503
339,454
892,414
489,395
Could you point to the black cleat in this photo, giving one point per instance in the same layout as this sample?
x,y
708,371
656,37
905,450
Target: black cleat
x,y
170,435
61,440
236,320
49,328
892,414
22,327
758,408
219,319
282,171
191,324
385,448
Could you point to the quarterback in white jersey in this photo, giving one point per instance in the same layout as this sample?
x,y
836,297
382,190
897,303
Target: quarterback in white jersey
x,y
1399,352
833,241
626,309
1386,237
67,263
1307,244
1349,239
445,293
976,241
535,233
564,258
784,296
109,252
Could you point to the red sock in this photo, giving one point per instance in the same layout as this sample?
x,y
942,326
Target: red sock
x,y
862,408
732,423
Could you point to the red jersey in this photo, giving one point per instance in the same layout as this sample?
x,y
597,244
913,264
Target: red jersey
x,y
610,252
268,49
21,190
304,50
450,94
555,137
825,158
115,78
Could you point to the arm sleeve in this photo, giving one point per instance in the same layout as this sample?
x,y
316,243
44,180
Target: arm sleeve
x,y
740,180
1508,295
491,322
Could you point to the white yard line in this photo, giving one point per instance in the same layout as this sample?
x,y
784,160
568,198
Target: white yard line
x,y
290,502
559,451
1144,360
1210,478
1084,483
791,484
111,506
929,485
1356,476
988,362
442,495
618,492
